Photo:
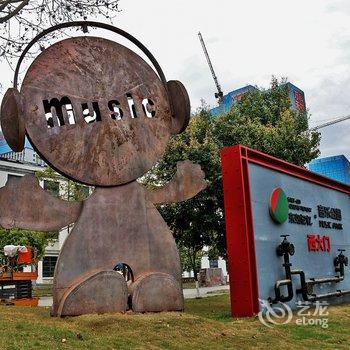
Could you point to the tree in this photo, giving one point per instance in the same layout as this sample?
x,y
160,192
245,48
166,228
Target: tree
x,y
263,120
194,223
21,20
38,240
190,261
61,186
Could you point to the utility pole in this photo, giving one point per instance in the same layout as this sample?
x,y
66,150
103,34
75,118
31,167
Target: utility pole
x,y
219,95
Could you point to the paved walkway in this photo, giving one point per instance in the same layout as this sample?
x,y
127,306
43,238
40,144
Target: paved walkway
x,y
188,294
204,291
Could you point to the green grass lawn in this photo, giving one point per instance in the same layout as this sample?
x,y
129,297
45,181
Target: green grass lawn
x,y
206,324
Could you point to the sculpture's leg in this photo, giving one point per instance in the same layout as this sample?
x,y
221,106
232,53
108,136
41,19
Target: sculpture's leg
x,y
154,292
102,292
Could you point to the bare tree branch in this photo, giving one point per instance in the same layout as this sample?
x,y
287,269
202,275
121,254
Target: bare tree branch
x,y
14,12
21,20
4,3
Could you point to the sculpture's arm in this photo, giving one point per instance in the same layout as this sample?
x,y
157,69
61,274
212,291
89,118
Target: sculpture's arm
x,y
187,182
24,204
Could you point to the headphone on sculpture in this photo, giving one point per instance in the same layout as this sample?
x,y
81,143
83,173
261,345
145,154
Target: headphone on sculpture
x,y
11,115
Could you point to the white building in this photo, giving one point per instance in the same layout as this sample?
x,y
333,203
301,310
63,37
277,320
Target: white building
x,y
28,155
220,263
207,263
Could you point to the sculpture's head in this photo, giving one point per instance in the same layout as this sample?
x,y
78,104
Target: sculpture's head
x,y
95,111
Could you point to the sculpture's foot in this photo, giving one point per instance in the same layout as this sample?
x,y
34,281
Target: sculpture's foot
x,y
102,292
156,292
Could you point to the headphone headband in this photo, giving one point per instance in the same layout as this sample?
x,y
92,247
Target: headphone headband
x,y
16,112
84,25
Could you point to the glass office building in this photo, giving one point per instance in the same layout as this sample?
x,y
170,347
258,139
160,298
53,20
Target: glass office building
x,y
296,95
336,167
229,99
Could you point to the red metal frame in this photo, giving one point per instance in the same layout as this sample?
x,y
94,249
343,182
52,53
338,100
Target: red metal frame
x,y
235,161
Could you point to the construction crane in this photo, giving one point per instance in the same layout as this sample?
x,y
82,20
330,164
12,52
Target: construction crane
x,y
219,95
331,122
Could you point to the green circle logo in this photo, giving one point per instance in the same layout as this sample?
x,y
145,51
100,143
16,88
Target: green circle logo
x,y
278,206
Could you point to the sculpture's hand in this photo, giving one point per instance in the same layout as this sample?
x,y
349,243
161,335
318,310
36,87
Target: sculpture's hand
x,y
187,182
24,204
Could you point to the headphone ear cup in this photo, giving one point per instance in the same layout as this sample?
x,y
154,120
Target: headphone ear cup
x,y
11,118
181,107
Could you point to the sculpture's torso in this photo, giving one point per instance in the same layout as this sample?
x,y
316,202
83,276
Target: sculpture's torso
x,y
133,233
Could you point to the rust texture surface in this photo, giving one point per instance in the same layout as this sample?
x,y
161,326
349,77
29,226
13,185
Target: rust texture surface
x,y
181,107
11,116
87,296
26,205
130,231
100,115
104,150
187,182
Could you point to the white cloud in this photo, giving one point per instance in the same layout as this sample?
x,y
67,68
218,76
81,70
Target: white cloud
x,y
248,41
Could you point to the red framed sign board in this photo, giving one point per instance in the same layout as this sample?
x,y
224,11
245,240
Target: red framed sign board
x,y
256,215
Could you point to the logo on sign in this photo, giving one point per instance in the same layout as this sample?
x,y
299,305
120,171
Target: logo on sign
x,y
278,206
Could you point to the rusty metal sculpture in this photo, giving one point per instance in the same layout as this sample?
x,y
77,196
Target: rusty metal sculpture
x,y
99,114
